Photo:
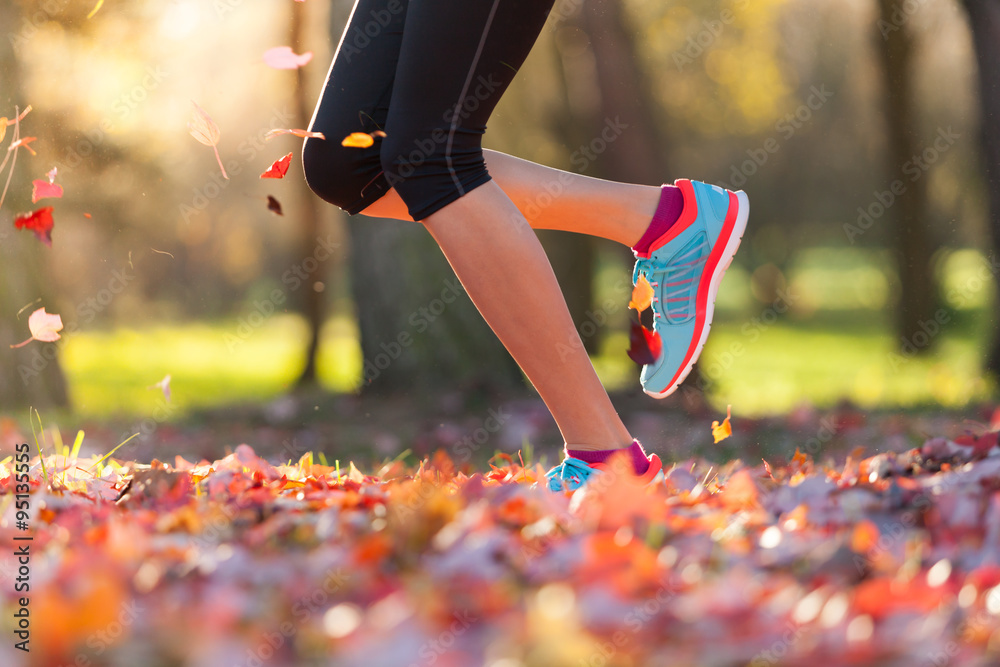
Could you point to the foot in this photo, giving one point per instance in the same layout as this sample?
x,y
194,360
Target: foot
x,y
574,473
685,267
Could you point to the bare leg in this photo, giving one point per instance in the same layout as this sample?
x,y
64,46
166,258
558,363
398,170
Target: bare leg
x,y
617,211
509,278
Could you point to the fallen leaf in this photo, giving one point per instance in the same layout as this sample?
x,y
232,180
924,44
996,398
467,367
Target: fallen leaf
x,y
278,168
642,294
282,57
722,431
644,345
40,222
864,537
204,129
44,327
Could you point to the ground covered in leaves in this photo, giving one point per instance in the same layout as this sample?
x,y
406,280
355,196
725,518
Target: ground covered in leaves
x,y
865,558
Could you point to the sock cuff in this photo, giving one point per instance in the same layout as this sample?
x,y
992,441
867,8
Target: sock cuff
x,y
668,211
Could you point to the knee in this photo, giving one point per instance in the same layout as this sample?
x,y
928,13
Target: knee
x,y
332,171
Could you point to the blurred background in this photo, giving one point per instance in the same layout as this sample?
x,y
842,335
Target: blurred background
x,y
857,127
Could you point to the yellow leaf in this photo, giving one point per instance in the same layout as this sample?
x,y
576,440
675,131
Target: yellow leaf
x,y
642,294
722,431
3,127
357,140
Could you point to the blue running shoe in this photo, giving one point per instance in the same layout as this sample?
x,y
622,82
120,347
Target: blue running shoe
x,y
685,267
573,473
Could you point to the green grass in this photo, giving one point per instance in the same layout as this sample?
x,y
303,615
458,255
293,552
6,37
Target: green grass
x,y
834,343
760,369
110,373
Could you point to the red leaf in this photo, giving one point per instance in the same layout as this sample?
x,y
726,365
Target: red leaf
x,y
39,222
279,168
45,190
644,345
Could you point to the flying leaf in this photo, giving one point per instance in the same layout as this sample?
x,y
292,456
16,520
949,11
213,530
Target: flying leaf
x,y
44,327
644,345
23,143
40,222
46,189
642,294
358,140
282,57
303,134
97,7
722,431
204,129
279,168
164,386
274,205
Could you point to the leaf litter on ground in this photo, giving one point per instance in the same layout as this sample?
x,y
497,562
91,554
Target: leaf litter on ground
x,y
885,559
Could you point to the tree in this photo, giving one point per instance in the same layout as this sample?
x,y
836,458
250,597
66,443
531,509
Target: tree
x,y
313,297
984,19
917,291
29,376
418,328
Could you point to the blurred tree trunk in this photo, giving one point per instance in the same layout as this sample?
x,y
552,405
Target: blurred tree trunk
x,y
419,330
639,153
918,292
313,296
29,376
984,18
572,255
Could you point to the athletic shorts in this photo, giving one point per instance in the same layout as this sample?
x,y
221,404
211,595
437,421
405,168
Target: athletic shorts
x,y
427,73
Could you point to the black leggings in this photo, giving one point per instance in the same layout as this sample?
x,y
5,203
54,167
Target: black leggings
x,y
429,74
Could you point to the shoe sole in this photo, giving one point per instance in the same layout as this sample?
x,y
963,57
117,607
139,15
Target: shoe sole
x,y
735,237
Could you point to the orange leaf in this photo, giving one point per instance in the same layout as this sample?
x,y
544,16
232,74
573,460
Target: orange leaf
x,y
722,431
642,294
23,143
864,537
3,127
302,134
278,168
358,140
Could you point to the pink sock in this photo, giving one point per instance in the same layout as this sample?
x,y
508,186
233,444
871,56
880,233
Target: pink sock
x,y
667,213
639,459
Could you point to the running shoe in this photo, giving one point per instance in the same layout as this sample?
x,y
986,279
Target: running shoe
x,y
685,267
573,473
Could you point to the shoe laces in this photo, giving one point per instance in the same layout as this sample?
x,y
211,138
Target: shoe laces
x,y
569,475
679,277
